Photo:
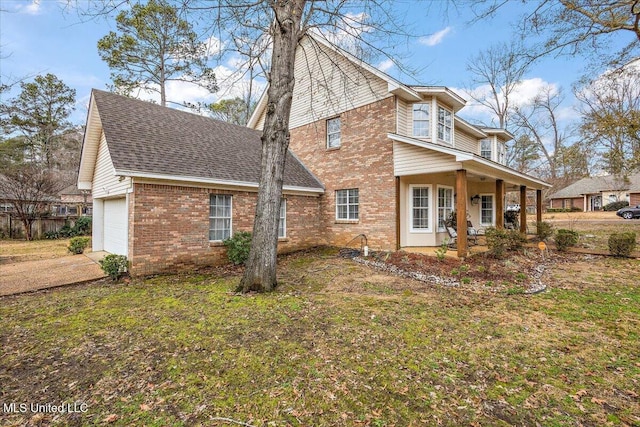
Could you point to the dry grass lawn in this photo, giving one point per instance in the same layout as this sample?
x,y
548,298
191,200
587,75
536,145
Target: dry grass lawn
x,y
337,344
21,250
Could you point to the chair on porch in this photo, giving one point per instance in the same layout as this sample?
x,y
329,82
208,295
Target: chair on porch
x,y
453,237
473,233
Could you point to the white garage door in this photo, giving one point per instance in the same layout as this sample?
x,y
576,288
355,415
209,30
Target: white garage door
x,y
115,226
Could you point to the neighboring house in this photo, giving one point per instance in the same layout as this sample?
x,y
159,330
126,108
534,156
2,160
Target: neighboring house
x,y
395,159
168,186
592,194
372,156
73,202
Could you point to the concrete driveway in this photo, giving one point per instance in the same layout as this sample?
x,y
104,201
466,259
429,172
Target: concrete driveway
x,y
30,276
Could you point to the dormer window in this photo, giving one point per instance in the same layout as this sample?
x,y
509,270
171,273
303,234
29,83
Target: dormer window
x,y
445,125
421,120
485,149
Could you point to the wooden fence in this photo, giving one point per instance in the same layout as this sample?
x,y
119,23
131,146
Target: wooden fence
x,y
12,228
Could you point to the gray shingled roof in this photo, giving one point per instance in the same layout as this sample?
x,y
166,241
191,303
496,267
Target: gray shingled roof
x,y
597,184
147,138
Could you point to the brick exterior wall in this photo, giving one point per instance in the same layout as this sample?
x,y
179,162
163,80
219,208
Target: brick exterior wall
x,y
169,226
634,199
364,161
575,202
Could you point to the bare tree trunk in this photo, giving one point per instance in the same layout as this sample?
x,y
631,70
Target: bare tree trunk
x,y
260,272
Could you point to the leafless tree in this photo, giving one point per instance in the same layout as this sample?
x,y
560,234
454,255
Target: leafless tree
x,y
496,73
30,189
539,121
610,107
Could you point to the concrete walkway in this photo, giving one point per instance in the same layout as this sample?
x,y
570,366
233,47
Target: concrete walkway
x,y
30,276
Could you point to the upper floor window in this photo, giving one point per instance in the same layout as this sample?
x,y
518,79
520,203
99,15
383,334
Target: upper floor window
x,y
502,154
333,132
485,149
421,120
219,217
347,204
445,124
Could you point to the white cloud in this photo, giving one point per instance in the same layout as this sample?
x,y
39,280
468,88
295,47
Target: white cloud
x,y
30,8
435,38
385,65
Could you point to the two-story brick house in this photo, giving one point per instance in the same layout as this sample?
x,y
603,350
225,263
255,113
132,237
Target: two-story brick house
x,y
394,159
368,155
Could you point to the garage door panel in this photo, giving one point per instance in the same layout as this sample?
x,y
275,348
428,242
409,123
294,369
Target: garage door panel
x,y
115,226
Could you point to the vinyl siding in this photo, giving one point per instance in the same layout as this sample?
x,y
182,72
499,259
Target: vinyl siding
x,y
409,159
404,118
105,181
464,141
328,84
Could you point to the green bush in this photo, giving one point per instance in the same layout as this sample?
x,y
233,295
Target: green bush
x,y
238,247
614,206
114,265
77,245
82,227
572,209
566,239
544,230
51,235
500,240
622,244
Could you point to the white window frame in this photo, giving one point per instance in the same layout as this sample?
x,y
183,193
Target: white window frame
x,y
482,150
429,208
348,204
444,208
427,120
230,217
493,209
502,153
282,221
443,126
334,144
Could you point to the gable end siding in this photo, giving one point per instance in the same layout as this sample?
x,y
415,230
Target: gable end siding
x,y
105,181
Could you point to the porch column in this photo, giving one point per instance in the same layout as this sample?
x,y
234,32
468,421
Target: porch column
x,y
461,212
397,213
499,203
523,208
538,205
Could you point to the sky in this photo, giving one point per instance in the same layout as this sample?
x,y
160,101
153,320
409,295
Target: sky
x,y
46,36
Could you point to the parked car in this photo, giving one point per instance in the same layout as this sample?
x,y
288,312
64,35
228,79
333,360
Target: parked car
x,y
513,208
629,212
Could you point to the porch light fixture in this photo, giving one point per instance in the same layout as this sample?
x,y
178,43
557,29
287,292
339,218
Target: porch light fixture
x,y
475,200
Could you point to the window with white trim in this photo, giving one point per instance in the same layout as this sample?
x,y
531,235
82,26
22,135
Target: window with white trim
x,y
219,217
282,223
486,210
347,204
333,132
485,149
445,205
420,208
445,124
502,153
421,120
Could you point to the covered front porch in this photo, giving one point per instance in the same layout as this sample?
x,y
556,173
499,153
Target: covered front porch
x,y
433,183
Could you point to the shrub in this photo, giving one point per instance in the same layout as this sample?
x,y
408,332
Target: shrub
x,y
66,230
238,247
442,250
114,265
82,226
544,230
51,235
614,206
77,245
500,241
622,244
566,239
